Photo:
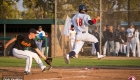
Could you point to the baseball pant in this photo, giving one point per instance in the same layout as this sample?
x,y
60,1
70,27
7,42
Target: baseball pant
x,y
72,41
132,43
137,44
81,38
39,44
93,51
123,48
111,47
28,55
45,51
105,48
117,48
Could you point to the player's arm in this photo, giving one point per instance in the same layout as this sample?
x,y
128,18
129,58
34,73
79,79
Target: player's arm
x,y
11,41
39,52
47,60
91,22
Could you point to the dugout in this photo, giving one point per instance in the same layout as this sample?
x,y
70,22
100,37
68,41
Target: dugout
x,y
9,28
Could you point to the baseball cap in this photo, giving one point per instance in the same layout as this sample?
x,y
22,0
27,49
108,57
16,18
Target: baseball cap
x,y
40,27
32,30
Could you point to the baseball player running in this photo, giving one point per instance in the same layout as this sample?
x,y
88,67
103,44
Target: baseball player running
x,y
80,22
19,50
131,40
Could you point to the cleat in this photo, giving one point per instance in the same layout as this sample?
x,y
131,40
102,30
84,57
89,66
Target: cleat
x,y
44,70
27,73
66,58
100,57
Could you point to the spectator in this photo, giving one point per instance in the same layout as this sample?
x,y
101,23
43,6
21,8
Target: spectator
x,y
105,39
123,41
111,40
72,35
131,40
137,41
40,35
96,34
117,40
45,45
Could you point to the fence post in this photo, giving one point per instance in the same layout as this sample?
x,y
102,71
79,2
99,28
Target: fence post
x,y
4,38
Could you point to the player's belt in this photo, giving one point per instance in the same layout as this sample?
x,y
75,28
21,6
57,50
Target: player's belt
x,y
81,32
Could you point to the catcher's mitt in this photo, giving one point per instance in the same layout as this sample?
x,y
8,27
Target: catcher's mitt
x,y
48,61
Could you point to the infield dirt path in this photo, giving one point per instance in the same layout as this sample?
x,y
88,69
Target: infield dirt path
x,y
73,74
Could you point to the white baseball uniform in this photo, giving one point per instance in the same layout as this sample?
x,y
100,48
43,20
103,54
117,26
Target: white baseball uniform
x,y
80,22
137,42
72,37
130,33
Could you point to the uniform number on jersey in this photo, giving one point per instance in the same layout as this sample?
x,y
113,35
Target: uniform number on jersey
x,y
79,22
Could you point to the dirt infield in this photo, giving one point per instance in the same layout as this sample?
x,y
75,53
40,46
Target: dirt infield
x,y
72,73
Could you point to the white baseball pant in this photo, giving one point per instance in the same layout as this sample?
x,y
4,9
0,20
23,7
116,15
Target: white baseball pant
x,y
45,51
39,44
132,43
72,42
105,48
80,38
123,48
137,44
117,47
93,51
28,55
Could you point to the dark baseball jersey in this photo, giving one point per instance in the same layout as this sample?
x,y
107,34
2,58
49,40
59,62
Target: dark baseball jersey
x,y
23,42
117,36
123,36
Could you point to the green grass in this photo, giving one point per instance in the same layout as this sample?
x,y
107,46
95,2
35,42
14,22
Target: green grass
x,y
80,62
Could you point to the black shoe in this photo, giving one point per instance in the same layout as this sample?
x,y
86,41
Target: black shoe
x,y
27,73
44,69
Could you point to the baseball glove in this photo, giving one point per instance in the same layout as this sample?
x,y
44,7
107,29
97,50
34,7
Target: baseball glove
x,y
48,61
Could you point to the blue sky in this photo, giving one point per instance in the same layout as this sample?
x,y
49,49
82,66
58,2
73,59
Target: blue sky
x,y
20,6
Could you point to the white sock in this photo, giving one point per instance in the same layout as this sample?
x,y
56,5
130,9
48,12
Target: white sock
x,y
98,54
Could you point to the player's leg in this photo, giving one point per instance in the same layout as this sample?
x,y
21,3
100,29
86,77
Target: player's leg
x,y
133,42
75,51
40,45
111,45
43,50
124,48
137,44
138,47
121,48
105,48
37,59
117,48
128,48
93,51
47,50
72,43
91,38
22,54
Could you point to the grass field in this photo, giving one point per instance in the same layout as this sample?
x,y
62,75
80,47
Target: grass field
x,y
79,62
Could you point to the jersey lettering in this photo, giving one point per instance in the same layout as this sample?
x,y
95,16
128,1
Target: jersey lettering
x,y
79,22
26,44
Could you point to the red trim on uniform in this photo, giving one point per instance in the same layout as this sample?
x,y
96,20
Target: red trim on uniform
x,y
94,21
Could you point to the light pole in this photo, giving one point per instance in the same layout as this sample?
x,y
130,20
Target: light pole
x,y
100,26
